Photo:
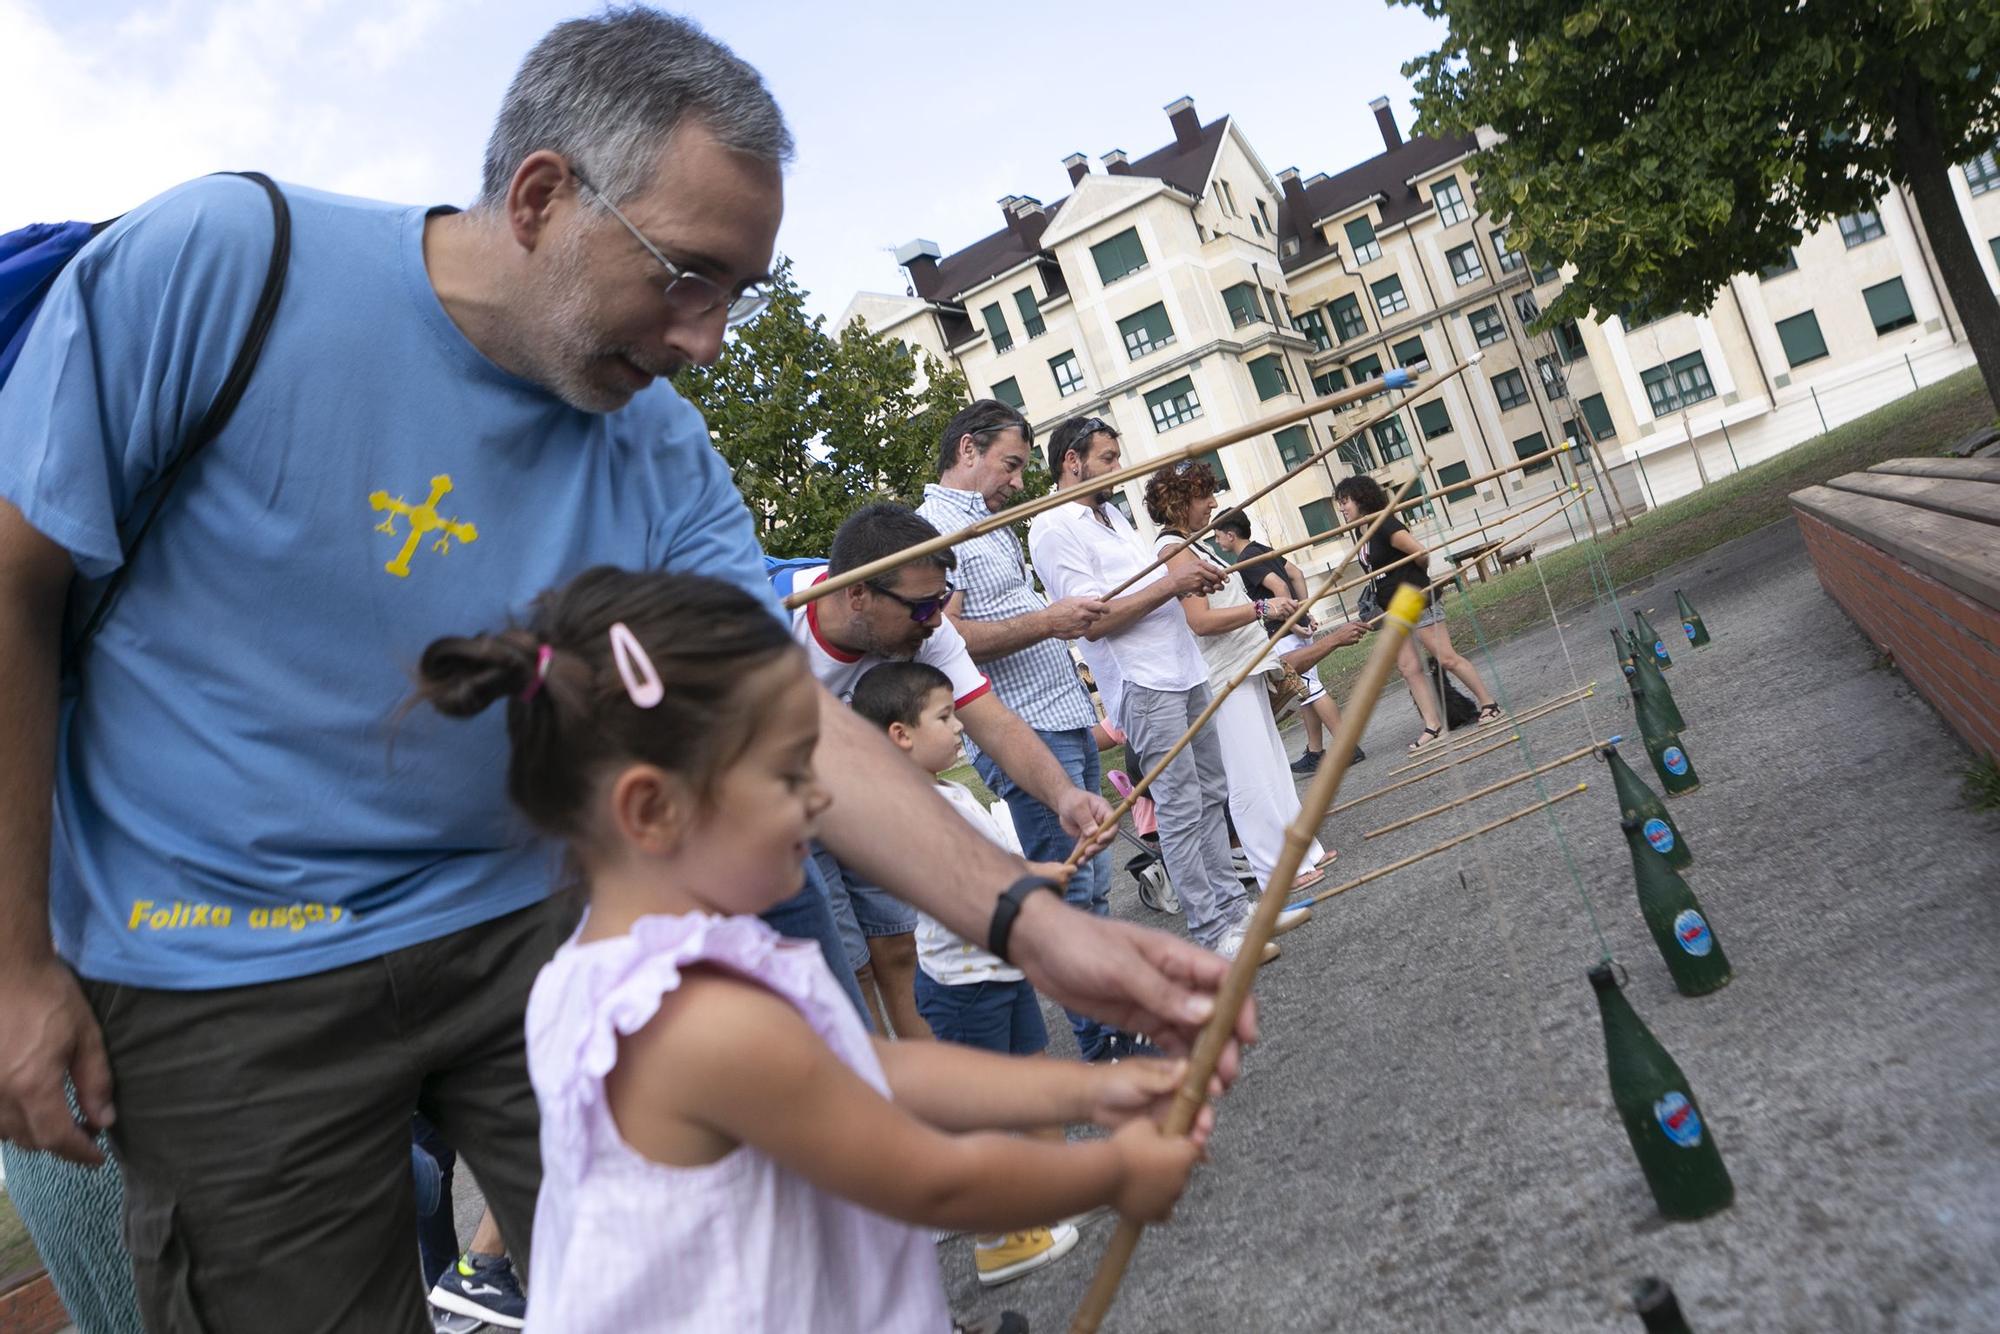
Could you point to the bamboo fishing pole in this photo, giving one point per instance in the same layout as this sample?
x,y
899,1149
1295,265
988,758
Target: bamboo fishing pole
x,y
1193,1093
1438,750
1449,843
1397,378
1491,788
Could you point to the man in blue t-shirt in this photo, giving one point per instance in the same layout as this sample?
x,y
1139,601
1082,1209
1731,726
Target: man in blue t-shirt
x,y
297,918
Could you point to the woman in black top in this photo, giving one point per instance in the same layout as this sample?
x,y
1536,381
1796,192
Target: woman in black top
x,y
1359,497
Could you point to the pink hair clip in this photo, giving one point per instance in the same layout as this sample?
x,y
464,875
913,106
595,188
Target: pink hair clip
x,y
635,669
534,687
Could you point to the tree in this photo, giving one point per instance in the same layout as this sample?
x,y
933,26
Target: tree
x,y
812,424
1662,147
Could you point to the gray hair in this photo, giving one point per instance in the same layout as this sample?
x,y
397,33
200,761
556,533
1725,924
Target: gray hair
x,y
605,92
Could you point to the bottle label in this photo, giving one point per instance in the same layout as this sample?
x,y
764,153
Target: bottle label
x,y
1679,1120
1692,932
1659,648
1658,835
1689,627
1675,760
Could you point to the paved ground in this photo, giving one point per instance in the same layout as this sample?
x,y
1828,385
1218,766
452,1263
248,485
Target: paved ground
x,y
1425,1140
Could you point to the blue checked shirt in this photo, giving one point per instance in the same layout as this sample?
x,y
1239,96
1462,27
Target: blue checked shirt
x,y
1039,682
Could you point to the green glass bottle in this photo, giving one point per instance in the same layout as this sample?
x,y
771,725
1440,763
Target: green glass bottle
x,y
1663,746
1659,1310
1681,931
1636,801
1624,656
1672,1140
1654,682
1650,641
1697,633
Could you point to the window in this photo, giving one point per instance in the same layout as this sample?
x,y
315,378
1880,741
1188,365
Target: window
x,y
1548,275
1433,420
1450,201
1573,432
1354,453
1675,385
1361,240
1417,488
1244,307
1173,403
1487,326
1365,368
1993,244
1214,461
1569,342
1123,503
1391,441
1268,374
1527,447
1597,416
1786,265
1146,330
1348,321
1527,308
1801,337
1888,305
1510,389
1409,352
1550,370
1450,475
1031,315
1465,265
1318,517
1227,196
1329,381
1008,391
1860,228
1069,375
1313,326
1389,296
1289,247
1120,255
996,324
1294,446
1983,172
1510,260
1639,314
1255,225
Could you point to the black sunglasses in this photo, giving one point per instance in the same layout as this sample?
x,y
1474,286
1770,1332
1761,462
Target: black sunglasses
x,y
921,609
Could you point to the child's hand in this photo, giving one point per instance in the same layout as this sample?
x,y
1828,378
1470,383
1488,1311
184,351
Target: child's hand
x,y
1060,872
1144,1087
1154,1170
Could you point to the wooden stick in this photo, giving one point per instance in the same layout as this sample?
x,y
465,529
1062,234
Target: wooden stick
x,y
1310,541
1193,1093
1490,788
1451,842
1407,782
1485,731
1029,508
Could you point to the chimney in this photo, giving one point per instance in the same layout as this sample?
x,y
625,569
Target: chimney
x,y
1079,167
1392,138
1295,195
1026,220
921,258
1115,163
1187,125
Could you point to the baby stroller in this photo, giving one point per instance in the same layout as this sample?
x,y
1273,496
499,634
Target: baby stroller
x,y
1155,890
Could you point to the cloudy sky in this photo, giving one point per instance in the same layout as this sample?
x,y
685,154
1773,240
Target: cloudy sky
x,y
911,120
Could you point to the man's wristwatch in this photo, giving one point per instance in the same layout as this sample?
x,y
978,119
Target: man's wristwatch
x,y
1009,907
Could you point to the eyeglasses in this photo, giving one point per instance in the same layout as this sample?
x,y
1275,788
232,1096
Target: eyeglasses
x,y
921,609
689,293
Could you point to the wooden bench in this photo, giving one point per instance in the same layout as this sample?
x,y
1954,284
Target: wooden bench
x,y
29,1305
1515,555
1476,557
1910,549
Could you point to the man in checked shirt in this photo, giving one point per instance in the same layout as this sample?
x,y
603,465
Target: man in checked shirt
x,y
1017,638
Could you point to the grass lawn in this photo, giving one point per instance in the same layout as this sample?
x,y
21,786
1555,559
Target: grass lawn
x,y
1924,422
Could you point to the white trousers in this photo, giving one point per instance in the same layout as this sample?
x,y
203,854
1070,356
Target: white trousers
x,y
1263,799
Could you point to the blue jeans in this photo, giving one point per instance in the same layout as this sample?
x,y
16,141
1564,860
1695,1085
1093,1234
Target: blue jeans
x,y
807,915
860,910
993,1016
1044,840
432,1160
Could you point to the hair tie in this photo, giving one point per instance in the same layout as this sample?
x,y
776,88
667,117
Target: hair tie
x,y
542,655
635,669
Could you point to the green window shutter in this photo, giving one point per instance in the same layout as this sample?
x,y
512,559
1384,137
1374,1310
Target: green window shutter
x,y
996,324
1993,244
1389,295
1549,370
1510,389
1244,308
1008,391
1318,517
1569,342
1173,403
1118,256
1860,228
1409,352
1801,336
1361,241
1453,473
1348,321
1146,330
1487,326
1450,201
1366,368
1785,265
1659,382
1530,445
1329,381
1392,440
1294,446
1888,305
1433,420
1268,374
1510,259
1982,173
1067,372
1597,416
1464,263
1031,314
1214,461
1691,378
1313,326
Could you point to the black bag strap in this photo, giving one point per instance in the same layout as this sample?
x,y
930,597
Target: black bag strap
x,y
218,413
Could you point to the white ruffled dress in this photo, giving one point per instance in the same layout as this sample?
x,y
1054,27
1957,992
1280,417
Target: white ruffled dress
x,y
625,1244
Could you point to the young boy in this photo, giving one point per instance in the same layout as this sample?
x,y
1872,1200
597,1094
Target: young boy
x,y
965,994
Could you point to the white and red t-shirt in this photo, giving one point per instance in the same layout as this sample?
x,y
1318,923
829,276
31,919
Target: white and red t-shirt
x,y
838,670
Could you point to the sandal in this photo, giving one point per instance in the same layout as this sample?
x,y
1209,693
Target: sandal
x,y
1430,735
1307,880
1489,713
1327,860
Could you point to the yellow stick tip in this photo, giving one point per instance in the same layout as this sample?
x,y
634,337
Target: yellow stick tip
x,y
1406,605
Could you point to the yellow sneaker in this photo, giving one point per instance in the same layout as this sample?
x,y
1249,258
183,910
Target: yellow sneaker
x,y
1002,1259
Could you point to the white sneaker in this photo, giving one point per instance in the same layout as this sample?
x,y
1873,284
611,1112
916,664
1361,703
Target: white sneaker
x,y
1292,919
1231,945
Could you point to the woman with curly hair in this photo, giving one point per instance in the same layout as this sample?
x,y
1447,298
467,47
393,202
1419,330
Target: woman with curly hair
x,y
1359,497
1228,626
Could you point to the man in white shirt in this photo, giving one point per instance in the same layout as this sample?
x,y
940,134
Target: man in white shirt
x,y
1150,672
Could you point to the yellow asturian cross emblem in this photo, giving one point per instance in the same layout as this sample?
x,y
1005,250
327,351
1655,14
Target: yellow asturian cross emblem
x,y
423,519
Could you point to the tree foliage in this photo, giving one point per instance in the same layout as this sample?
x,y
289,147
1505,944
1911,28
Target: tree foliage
x,y
1662,147
813,423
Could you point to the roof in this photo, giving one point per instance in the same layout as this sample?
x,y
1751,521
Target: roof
x,y
1384,174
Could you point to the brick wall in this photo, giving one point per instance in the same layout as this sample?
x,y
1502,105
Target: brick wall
x,y
1944,643
31,1307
